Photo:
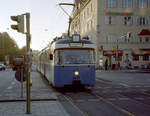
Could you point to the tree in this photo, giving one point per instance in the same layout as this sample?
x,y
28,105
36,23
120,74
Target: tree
x,y
8,46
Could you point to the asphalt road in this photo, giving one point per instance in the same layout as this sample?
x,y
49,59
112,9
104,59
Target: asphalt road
x,y
115,93
6,80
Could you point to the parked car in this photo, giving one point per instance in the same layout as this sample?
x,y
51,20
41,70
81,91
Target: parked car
x,y
2,67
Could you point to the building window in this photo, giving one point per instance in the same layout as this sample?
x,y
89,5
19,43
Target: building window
x,y
142,3
87,11
142,20
91,7
84,15
127,3
111,3
136,58
145,57
109,20
127,20
91,24
147,40
110,38
140,39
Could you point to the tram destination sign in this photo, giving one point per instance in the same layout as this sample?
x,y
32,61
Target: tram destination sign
x,y
76,45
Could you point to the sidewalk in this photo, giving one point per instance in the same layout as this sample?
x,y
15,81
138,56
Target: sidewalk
x,y
126,70
44,100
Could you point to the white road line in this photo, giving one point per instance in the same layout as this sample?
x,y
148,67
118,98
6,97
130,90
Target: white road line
x,y
81,100
124,99
93,100
140,98
107,87
10,87
138,86
97,91
125,85
99,87
112,99
118,87
146,93
146,86
118,91
12,83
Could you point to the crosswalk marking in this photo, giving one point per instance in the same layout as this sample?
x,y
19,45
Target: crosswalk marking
x,y
10,87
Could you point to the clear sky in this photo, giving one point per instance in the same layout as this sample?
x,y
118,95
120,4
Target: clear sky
x,y
47,20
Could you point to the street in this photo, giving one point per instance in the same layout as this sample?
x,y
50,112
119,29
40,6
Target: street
x,y
116,92
7,79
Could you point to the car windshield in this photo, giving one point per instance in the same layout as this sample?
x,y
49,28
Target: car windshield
x,y
75,57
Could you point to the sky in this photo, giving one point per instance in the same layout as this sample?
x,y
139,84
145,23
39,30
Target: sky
x,y
47,20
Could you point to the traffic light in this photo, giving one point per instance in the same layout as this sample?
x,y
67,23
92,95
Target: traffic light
x,y
20,20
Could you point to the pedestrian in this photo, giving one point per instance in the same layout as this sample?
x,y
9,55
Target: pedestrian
x,y
119,65
106,64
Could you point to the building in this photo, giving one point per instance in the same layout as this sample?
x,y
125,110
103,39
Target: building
x,y
120,29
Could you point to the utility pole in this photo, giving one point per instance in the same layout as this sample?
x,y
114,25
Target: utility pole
x,y
20,28
70,19
28,37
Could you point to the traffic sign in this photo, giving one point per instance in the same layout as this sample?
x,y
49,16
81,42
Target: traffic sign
x,y
20,75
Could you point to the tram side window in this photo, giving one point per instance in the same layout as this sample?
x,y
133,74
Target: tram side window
x,y
56,59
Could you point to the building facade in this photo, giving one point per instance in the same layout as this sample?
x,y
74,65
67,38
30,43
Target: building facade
x,y
120,30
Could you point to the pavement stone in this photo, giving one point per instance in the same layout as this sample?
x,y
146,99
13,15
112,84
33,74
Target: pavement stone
x,y
39,90
46,108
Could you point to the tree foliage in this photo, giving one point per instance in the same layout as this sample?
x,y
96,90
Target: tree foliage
x,y
9,47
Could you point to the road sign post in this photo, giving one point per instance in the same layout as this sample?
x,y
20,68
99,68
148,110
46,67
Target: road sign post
x,y
28,37
20,28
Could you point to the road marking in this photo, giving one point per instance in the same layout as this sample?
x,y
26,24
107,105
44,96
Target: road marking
x,y
118,87
13,83
112,99
124,99
140,98
146,86
99,87
125,85
146,93
138,86
107,87
118,91
93,100
10,87
81,100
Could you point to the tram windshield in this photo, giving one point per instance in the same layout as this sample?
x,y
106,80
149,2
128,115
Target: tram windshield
x,y
74,57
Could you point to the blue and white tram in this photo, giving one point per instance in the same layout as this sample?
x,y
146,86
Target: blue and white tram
x,y
72,61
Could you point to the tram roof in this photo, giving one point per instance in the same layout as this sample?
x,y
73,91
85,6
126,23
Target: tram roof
x,y
68,40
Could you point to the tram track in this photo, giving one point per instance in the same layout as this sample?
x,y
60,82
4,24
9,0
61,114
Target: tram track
x,y
113,105
77,103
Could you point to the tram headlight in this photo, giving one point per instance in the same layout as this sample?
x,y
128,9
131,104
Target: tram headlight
x,y
76,73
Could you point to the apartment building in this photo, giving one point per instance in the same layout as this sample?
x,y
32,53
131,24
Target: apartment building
x,y
108,23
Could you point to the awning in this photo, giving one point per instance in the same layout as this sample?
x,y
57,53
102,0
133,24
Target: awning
x,y
144,32
139,52
112,52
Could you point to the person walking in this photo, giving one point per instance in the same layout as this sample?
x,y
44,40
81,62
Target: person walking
x,y
106,64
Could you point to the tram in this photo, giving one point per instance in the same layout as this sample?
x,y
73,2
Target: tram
x,y
68,61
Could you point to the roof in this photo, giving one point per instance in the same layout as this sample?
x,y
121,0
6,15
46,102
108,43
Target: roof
x,y
67,40
144,32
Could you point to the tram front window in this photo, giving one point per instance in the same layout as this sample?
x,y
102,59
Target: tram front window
x,y
75,56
